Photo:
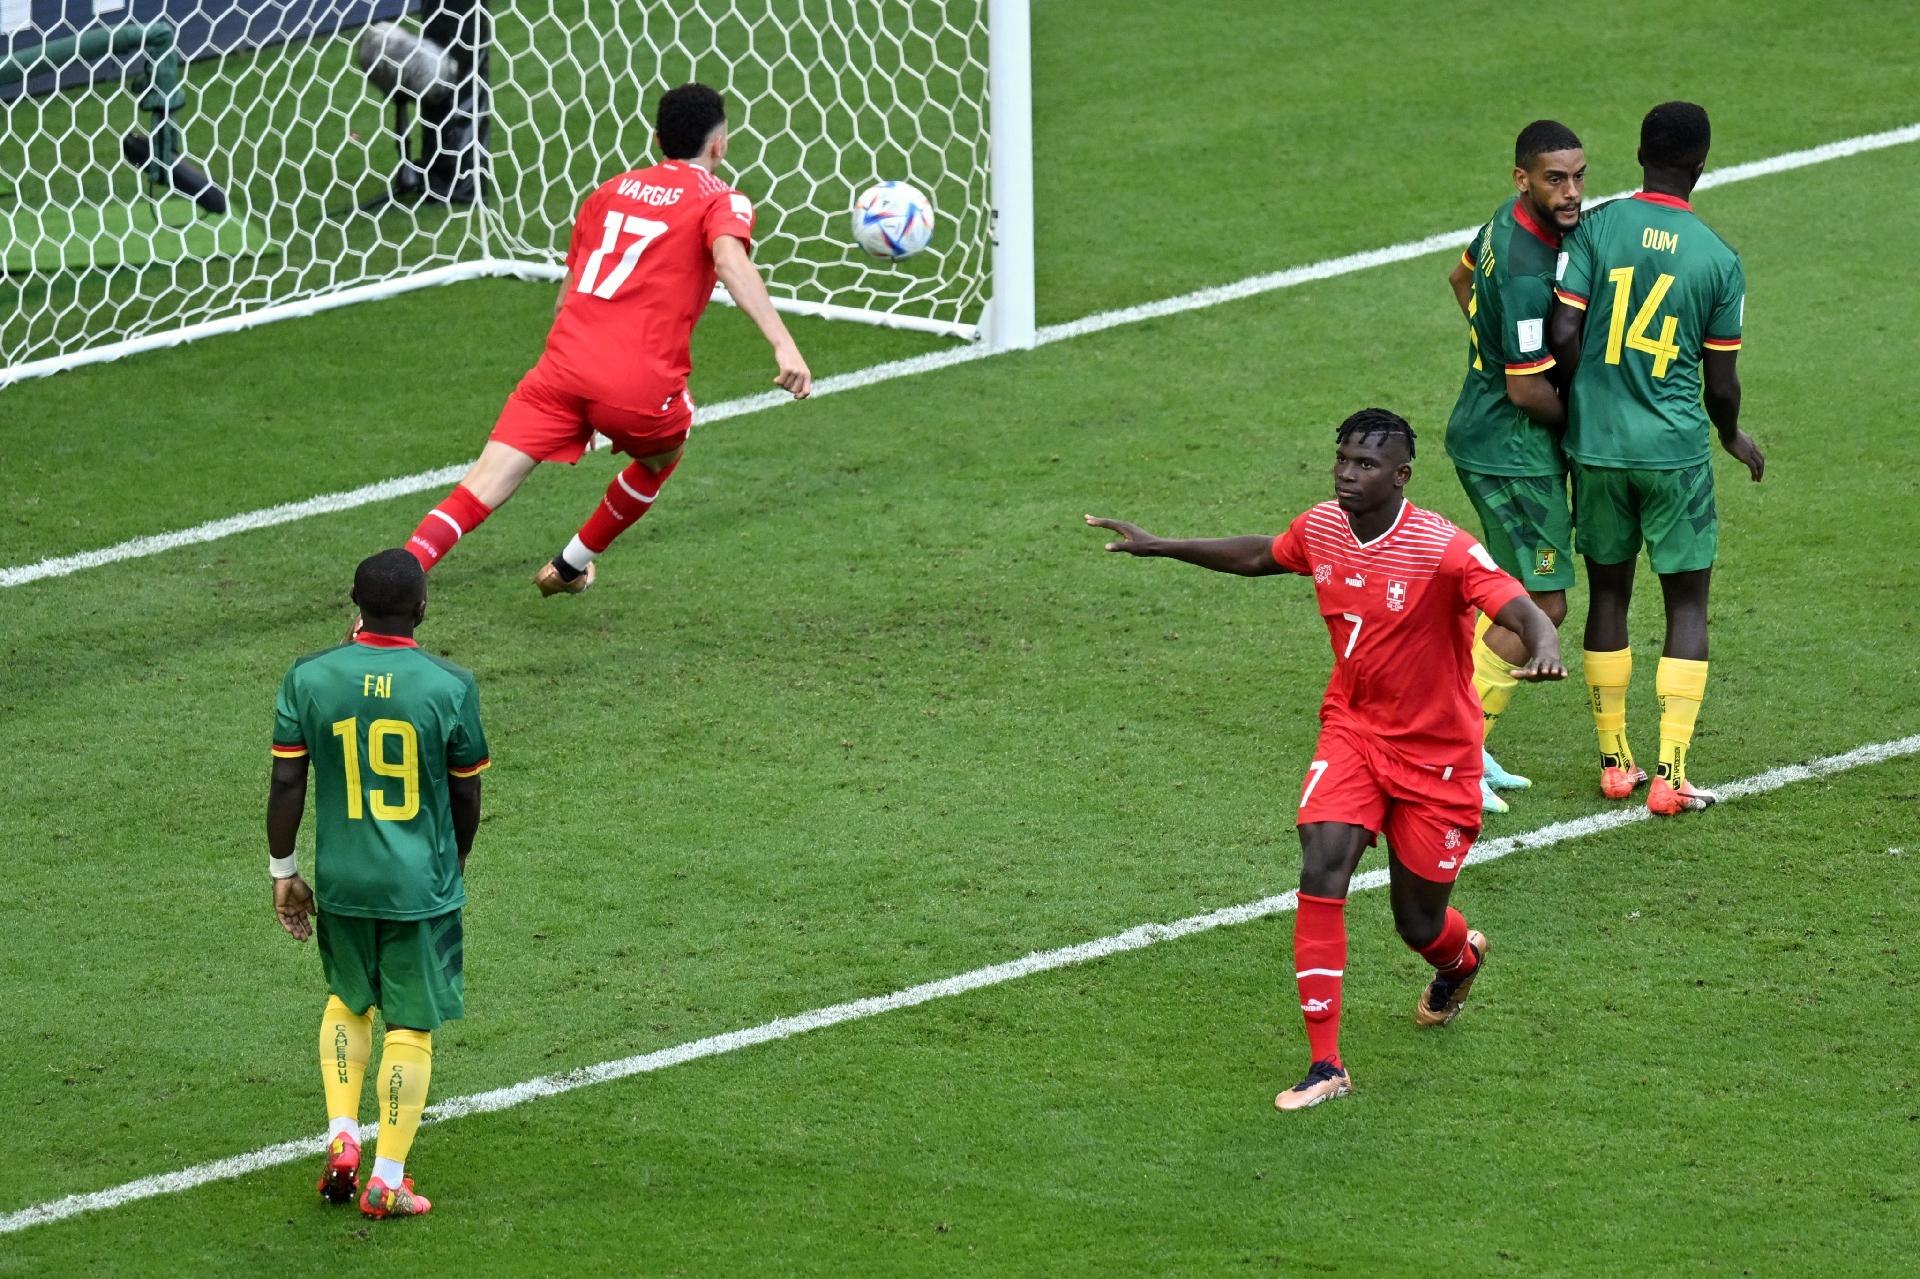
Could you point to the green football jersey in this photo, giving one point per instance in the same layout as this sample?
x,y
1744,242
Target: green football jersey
x,y
1659,289
1513,260
385,725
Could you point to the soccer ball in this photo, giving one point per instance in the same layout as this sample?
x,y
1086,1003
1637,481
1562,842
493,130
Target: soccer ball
x,y
398,61
892,220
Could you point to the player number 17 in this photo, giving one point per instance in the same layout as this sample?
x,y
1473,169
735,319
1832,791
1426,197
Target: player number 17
x,y
644,230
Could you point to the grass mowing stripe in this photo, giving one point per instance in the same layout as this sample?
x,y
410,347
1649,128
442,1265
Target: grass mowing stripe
x,y
1199,299
1136,938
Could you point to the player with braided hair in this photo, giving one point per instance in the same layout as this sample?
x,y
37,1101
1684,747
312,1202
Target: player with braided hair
x,y
1400,733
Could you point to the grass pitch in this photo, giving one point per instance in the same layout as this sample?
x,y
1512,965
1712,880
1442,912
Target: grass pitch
x,y
861,705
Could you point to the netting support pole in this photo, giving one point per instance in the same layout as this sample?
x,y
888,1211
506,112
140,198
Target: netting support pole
x,y
1009,319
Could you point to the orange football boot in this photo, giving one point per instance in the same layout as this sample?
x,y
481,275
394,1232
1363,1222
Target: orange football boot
x,y
382,1200
340,1177
1664,799
1619,783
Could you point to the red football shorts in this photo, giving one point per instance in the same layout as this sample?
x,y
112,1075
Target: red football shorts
x,y
549,424
1430,817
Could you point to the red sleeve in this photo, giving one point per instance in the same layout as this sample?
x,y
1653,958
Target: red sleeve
x,y
1290,548
729,213
1485,584
586,228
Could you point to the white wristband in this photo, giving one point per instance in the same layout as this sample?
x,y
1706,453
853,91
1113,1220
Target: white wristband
x,y
283,867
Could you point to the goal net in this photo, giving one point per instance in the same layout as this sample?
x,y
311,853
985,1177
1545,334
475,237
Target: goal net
x,y
171,169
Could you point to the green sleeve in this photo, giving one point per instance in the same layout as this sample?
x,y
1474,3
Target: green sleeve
x,y
467,748
1729,307
1574,271
1524,303
289,738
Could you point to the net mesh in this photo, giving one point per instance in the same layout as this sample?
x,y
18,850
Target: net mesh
x,y
825,97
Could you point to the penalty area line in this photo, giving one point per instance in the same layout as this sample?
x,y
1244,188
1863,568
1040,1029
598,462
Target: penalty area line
x,y
1197,300
1137,938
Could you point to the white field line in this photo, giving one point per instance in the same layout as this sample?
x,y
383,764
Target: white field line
x,y
786,1027
1199,299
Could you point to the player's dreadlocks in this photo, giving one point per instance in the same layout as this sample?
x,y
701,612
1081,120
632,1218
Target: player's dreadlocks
x,y
1540,137
1675,137
1371,424
685,117
389,584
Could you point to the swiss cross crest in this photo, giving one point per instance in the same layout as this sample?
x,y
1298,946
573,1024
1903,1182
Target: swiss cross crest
x,y
1322,573
1396,595
1453,837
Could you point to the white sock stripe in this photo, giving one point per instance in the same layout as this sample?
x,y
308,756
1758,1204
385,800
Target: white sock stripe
x,y
451,523
634,493
1321,972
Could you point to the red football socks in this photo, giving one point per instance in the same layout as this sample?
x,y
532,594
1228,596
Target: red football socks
x,y
628,498
459,514
1449,953
1319,960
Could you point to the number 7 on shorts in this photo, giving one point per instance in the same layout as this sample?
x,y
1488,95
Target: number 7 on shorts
x,y
1314,772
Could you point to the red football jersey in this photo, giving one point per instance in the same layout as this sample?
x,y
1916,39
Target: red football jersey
x,y
1400,612
642,266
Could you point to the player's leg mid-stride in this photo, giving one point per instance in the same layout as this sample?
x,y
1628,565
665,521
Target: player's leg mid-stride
x,y
1426,922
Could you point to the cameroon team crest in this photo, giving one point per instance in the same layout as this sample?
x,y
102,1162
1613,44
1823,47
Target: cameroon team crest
x,y
1543,562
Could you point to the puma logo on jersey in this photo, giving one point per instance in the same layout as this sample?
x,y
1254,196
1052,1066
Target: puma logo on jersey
x,y
1358,579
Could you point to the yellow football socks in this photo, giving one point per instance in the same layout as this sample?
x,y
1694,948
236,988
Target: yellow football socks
x,y
406,1065
1682,686
1608,675
1492,675
346,1040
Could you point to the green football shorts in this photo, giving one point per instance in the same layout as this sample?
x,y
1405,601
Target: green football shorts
x,y
1671,512
1525,525
408,968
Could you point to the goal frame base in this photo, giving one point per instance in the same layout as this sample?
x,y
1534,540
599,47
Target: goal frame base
x,y
452,273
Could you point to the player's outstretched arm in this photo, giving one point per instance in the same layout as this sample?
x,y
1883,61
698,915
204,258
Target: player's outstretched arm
x,y
749,293
1721,391
1524,617
286,801
1248,556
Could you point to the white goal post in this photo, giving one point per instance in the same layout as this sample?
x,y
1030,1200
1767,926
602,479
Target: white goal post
x,y
175,169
